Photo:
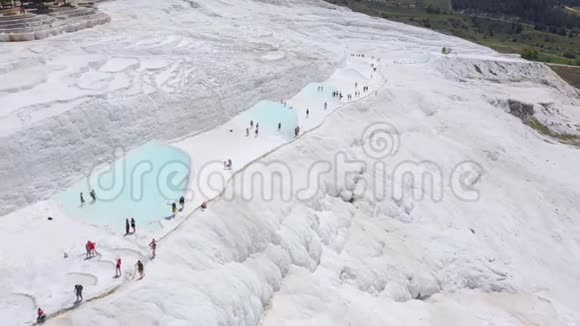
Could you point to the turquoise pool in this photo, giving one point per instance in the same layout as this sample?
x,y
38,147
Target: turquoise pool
x,y
311,90
268,114
140,185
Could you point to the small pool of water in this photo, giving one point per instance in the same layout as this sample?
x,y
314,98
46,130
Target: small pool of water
x,y
268,114
311,90
141,185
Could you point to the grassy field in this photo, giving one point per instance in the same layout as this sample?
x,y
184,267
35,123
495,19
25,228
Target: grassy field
x,y
569,74
563,138
504,37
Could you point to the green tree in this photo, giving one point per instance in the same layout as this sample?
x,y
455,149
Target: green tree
x,y
530,54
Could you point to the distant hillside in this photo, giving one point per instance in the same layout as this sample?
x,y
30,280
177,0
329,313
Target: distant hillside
x,y
551,13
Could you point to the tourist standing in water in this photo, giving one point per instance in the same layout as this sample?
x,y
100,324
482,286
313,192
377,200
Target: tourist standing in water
x,y
182,203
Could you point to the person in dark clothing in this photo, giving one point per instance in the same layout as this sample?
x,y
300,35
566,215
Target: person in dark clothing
x,y
93,195
127,226
88,249
79,292
182,202
133,225
82,200
140,268
173,208
279,126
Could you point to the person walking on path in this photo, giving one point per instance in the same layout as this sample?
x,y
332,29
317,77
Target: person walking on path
x,y
79,292
153,246
82,200
127,226
118,267
92,249
93,195
88,249
140,269
174,208
133,225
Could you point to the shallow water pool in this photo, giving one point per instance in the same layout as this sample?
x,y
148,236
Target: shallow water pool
x,y
268,114
141,185
311,90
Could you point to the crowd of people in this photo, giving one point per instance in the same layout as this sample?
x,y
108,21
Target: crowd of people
x,y
91,251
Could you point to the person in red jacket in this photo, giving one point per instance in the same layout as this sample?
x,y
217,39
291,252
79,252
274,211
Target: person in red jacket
x,y
92,248
118,267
